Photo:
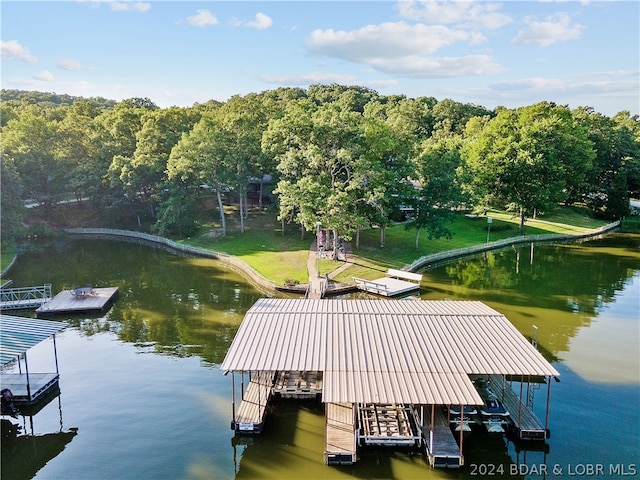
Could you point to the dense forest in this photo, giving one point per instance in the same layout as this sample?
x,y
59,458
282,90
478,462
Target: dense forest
x,y
344,156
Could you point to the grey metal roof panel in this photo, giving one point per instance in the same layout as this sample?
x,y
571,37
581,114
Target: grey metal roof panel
x,y
19,334
384,343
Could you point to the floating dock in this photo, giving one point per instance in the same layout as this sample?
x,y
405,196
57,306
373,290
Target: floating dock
x,y
386,358
340,442
79,300
395,282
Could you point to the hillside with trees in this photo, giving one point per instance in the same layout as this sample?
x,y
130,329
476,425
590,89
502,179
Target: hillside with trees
x,y
344,156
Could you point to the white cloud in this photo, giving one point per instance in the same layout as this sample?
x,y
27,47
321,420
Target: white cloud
x,y
261,22
129,6
402,49
12,50
43,76
483,15
70,64
309,78
556,28
387,40
202,18
416,66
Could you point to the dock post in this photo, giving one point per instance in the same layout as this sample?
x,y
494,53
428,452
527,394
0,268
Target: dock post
x,y
26,367
546,416
55,353
233,399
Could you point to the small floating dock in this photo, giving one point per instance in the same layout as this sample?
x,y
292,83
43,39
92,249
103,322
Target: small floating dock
x,y
79,300
395,282
442,449
249,417
340,445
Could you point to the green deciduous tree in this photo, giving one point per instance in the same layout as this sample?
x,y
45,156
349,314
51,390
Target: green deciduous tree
x,y
529,159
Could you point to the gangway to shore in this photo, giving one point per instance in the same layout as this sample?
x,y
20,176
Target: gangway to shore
x,y
24,297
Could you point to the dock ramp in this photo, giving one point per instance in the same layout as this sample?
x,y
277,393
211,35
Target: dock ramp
x,y
340,446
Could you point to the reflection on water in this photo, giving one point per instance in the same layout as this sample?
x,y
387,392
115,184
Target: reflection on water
x,y
583,298
142,387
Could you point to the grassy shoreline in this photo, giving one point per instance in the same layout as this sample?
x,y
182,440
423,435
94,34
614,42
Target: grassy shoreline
x,y
281,256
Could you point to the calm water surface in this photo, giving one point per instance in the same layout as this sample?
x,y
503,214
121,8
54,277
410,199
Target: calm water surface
x,y
143,397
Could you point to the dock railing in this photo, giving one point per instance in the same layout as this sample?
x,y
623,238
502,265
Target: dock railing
x,y
436,259
24,297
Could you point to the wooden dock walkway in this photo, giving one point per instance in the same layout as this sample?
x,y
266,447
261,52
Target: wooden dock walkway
x,y
526,425
340,446
442,448
85,299
249,418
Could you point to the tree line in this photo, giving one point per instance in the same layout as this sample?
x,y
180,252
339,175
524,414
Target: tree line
x,y
343,156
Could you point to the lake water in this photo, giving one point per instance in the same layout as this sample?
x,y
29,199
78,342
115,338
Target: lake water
x,y
143,397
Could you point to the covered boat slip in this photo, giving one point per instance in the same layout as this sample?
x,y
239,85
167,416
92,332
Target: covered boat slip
x,y
17,336
249,417
380,353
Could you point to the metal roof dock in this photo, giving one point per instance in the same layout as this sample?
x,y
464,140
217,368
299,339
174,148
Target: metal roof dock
x,y
17,336
385,352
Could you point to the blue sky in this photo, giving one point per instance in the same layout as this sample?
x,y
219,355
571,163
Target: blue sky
x,y
509,53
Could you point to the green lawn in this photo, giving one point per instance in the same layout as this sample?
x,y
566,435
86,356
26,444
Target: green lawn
x,y
283,258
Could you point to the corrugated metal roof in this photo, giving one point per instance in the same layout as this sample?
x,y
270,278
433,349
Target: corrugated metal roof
x,y
19,334
397,350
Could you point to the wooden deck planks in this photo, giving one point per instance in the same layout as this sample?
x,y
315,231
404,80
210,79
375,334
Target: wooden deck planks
x,y
442,447
340,446
526,424
67,301
251,412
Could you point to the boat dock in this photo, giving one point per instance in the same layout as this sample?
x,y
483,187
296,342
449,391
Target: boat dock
x,y
249,418
17,336
525,424
395,282
78,300
442,448
374,364
340,440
